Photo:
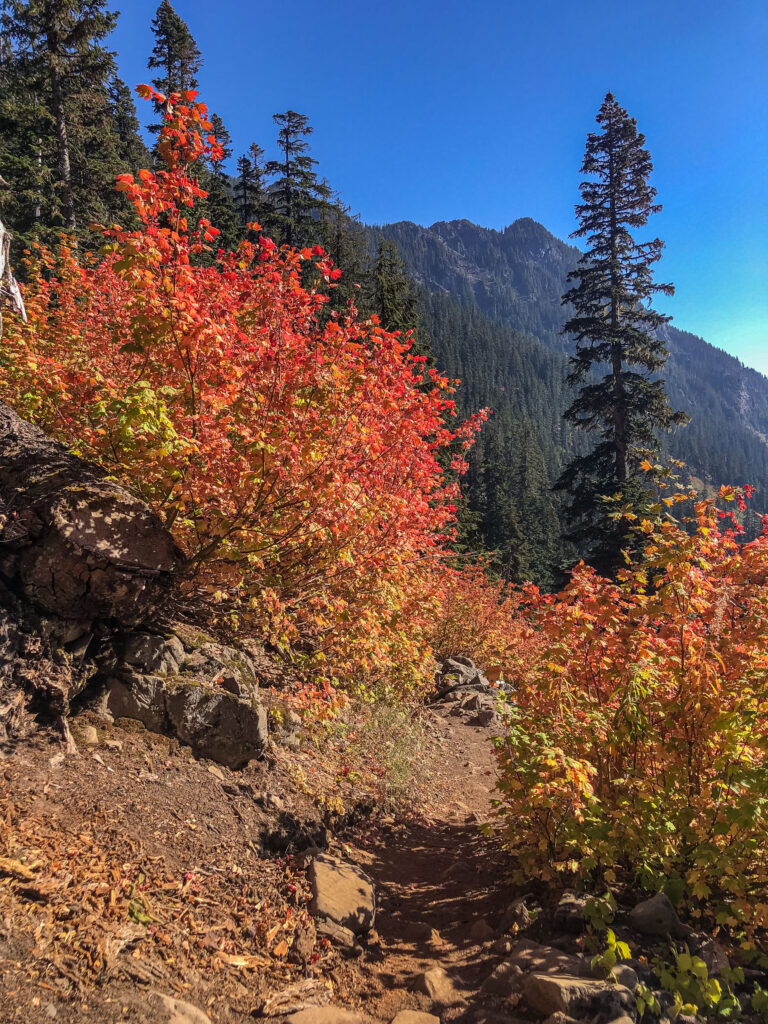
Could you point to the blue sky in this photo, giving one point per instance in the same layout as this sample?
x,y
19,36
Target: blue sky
x,y
431,110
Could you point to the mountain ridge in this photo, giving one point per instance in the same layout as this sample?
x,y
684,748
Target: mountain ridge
x,y
493,314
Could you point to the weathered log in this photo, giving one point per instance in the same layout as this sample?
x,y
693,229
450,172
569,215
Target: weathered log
x,y
73,543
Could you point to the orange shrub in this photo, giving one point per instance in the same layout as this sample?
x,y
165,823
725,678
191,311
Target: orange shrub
x,y
638,741
294,461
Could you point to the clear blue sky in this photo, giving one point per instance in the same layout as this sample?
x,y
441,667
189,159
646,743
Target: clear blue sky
x,y
430,110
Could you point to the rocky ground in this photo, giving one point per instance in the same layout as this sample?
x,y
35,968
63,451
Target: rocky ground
x,y
139,882
133,869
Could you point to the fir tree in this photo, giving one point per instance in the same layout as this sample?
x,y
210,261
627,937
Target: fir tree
x,y
132,153
249,189
175,54
501,530
394,298
60,145
614,327
296,195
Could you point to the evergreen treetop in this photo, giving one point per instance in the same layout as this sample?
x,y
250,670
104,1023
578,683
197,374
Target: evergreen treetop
x,y
175,54
296,194
616,328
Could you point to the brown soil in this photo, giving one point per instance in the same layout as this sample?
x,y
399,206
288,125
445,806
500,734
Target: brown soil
x,y
126,872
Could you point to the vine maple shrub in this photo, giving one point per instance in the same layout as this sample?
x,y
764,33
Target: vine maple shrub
x,y
293,454
637,745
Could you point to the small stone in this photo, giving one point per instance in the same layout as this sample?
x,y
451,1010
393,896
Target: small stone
x,y
415,1017
269,801
657,916
292,721
342,892
485,718
575,996
87,735
504,981
626,976
416,931
56,761
569,912
114,745
714,956
437,984
335,932
179,1012
216,772
481,931
502,946
560,1018
51,1011
516,917
325,1015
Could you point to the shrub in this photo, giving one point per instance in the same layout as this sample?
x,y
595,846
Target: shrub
x,y
293,455
638,741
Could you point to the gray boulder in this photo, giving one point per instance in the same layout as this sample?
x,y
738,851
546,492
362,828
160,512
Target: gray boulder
x,y
226,666
78,546
215,723
577,997
657,916
151,654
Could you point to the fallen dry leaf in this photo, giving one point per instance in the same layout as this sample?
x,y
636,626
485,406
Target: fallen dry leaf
x,y
235,960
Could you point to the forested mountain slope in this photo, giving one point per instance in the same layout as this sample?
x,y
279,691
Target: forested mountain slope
x,y
493,315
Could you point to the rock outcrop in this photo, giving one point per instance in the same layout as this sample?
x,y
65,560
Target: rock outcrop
x,y
73,543
85,566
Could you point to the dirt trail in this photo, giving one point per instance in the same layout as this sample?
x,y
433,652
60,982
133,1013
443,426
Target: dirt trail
x,y
153,871
437,877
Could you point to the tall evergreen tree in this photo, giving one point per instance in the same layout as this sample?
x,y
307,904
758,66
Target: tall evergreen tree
x,y
249,189
614,327
501,531
177,59
60,146
133,154
394,297
296,195
175,55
